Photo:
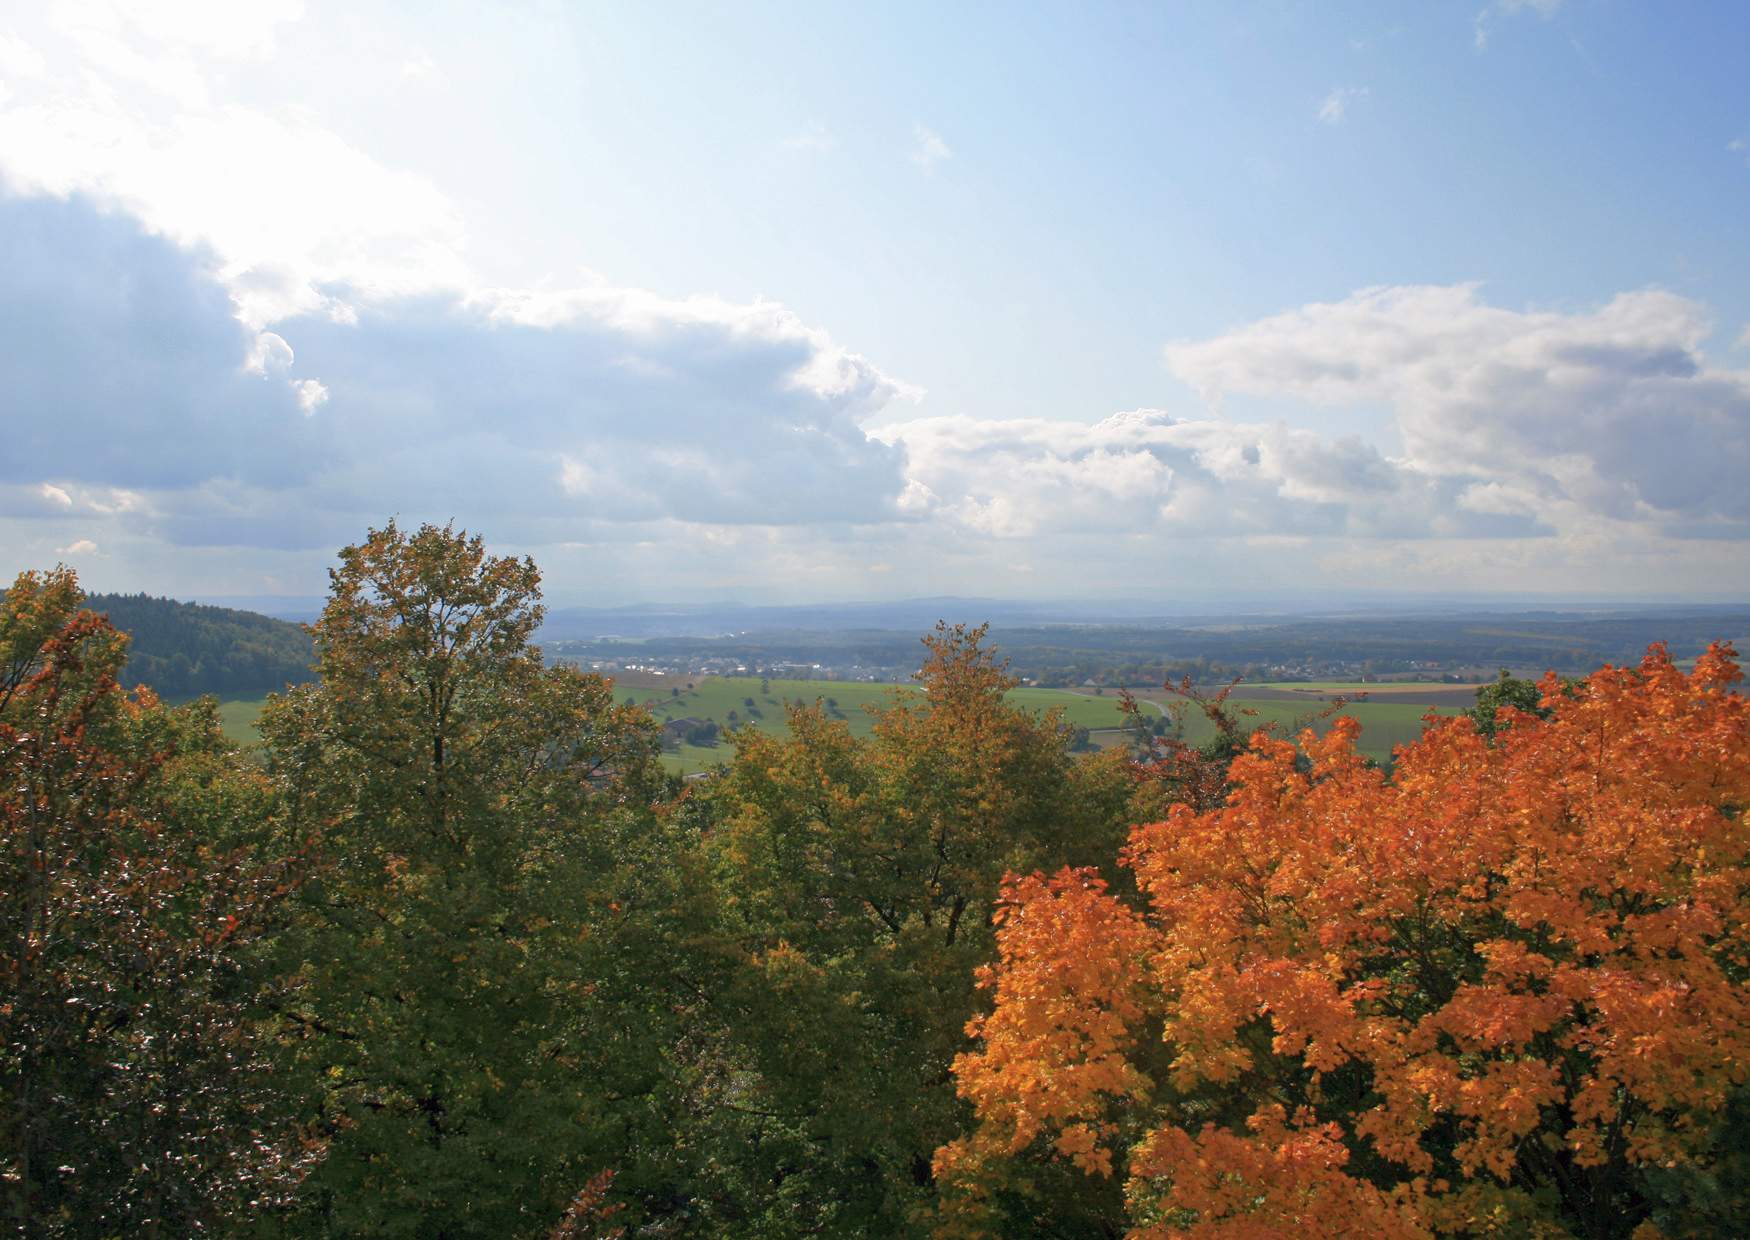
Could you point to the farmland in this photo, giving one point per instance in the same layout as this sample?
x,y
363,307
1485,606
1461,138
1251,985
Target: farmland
x,y
1391,715
760,703
1387,719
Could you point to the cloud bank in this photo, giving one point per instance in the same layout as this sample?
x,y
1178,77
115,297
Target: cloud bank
x,y
130,370
1613,412
145,408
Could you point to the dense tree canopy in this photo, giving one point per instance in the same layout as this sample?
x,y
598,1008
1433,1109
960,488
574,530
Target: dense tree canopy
x,y
858,880
186,649
450,956
1501,992
477,816
135,894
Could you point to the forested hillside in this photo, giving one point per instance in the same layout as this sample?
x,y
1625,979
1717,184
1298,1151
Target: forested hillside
x,y
186,649
451,956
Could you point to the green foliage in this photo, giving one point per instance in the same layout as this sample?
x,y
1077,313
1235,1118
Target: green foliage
x,y
1513,694
456,958
858,877
480,819
186,649
137,884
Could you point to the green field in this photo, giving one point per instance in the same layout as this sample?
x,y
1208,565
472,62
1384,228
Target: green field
x,y
237,717
1384,725
715,697
1396,688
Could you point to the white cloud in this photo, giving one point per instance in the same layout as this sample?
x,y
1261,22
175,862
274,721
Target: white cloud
x,y
18,60
624,420
83,546
115,103
258,338
1612,412
1146,472
270,354
532,411
1335,107
928,149
311,394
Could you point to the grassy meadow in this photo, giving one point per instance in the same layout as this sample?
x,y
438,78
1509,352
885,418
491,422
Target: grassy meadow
x,y
237,717
1392,715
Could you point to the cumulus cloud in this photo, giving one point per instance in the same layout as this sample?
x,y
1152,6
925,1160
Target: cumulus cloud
x,y
127,364
629,423
1613,412
114,103
1146,472
229,337
311,393
122,362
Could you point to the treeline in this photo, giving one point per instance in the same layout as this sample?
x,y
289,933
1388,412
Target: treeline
x,y
451,956
186,649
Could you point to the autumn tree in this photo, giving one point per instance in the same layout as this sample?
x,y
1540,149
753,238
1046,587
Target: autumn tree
x,y
137,882
858,878
1501,992
481,1038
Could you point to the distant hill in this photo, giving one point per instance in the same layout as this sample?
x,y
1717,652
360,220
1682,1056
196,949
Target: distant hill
x,y
186,649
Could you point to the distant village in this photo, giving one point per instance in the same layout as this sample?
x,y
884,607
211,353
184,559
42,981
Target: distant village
x,y
691,666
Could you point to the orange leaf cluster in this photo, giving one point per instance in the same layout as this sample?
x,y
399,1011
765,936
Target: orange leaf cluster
x,y
1483,992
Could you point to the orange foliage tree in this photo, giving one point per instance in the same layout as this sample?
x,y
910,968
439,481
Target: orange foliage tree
x,y
1500,992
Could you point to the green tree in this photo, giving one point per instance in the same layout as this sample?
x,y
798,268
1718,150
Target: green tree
x,y
858,879
1508,691
136,884
486,831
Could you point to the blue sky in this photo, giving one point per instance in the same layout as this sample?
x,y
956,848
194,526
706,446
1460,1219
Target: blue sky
x,y
863,301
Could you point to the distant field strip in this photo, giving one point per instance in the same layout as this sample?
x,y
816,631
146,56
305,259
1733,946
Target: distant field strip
x,y
1384,725
1391,716
738,701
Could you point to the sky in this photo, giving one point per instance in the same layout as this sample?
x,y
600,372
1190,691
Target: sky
x,y
795,303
